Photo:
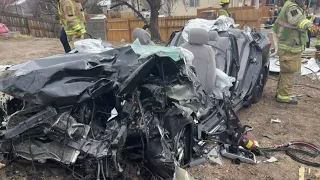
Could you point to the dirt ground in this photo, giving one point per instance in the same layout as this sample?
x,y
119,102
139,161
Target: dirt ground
x,y
301,122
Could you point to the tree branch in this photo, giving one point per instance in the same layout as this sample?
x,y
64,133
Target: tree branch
x,y
121,3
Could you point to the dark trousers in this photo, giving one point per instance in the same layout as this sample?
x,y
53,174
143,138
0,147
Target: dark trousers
x,y
64,41
309,37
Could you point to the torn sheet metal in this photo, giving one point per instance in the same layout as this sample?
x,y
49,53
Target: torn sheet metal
x,y
223,23
44,151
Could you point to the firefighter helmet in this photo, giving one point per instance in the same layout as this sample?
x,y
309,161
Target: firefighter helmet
x,y
224,2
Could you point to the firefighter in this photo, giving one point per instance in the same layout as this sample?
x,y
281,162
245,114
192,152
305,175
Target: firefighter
x,y
224,8
80,13
291,28
70,19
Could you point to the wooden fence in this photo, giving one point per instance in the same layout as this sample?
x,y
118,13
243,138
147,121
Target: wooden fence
x,y
118,29
31,26
246,15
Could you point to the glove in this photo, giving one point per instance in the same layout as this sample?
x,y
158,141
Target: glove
x,y
313,29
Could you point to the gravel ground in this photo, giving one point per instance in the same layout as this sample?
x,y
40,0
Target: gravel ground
x,y
299,122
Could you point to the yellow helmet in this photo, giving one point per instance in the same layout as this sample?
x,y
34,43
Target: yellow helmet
x,y
224,2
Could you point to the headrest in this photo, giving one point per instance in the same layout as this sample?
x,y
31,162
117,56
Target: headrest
x,y
198,36
143,36
213,36
235,32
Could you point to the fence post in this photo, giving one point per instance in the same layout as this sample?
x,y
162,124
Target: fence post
x,y
107,38
28,26
167,28
129,30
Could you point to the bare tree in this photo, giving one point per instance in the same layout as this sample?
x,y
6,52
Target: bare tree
x,y
48,9
4,4
168,6
155,6
125,3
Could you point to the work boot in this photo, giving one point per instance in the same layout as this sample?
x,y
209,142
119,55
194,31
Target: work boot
x,y
287,99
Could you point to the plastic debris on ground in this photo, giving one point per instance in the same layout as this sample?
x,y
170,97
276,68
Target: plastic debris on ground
x,y
271,160
90,46
275,121
307,68
4,67
181,174
214,156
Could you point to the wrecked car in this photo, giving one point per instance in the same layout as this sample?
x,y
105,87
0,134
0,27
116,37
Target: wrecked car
x,y
242,54
99,112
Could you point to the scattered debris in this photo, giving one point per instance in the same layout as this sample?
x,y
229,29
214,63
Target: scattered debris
x,y
310,67
181,174
256,143
271,160
308,53
267,136
2,165
198,161
275,121
241,156
214,156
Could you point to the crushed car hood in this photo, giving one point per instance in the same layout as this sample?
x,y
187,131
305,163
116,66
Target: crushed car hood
x,y
74,78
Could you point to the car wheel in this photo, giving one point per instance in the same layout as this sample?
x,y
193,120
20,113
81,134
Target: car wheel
x,y
260,84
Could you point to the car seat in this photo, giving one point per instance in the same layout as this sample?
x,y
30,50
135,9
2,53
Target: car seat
x,y
223,47
143,36
204,58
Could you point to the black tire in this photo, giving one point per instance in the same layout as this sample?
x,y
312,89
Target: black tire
x,y
259,86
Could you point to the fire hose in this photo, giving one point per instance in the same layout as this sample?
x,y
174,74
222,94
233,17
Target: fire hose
x,y
289,149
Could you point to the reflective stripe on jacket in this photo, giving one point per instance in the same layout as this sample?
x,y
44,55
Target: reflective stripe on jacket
x,y
68,17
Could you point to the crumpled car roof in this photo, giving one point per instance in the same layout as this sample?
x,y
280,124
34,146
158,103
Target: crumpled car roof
x,y
74,78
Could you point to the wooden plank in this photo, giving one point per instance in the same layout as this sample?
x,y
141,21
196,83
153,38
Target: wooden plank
x,y
129,32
